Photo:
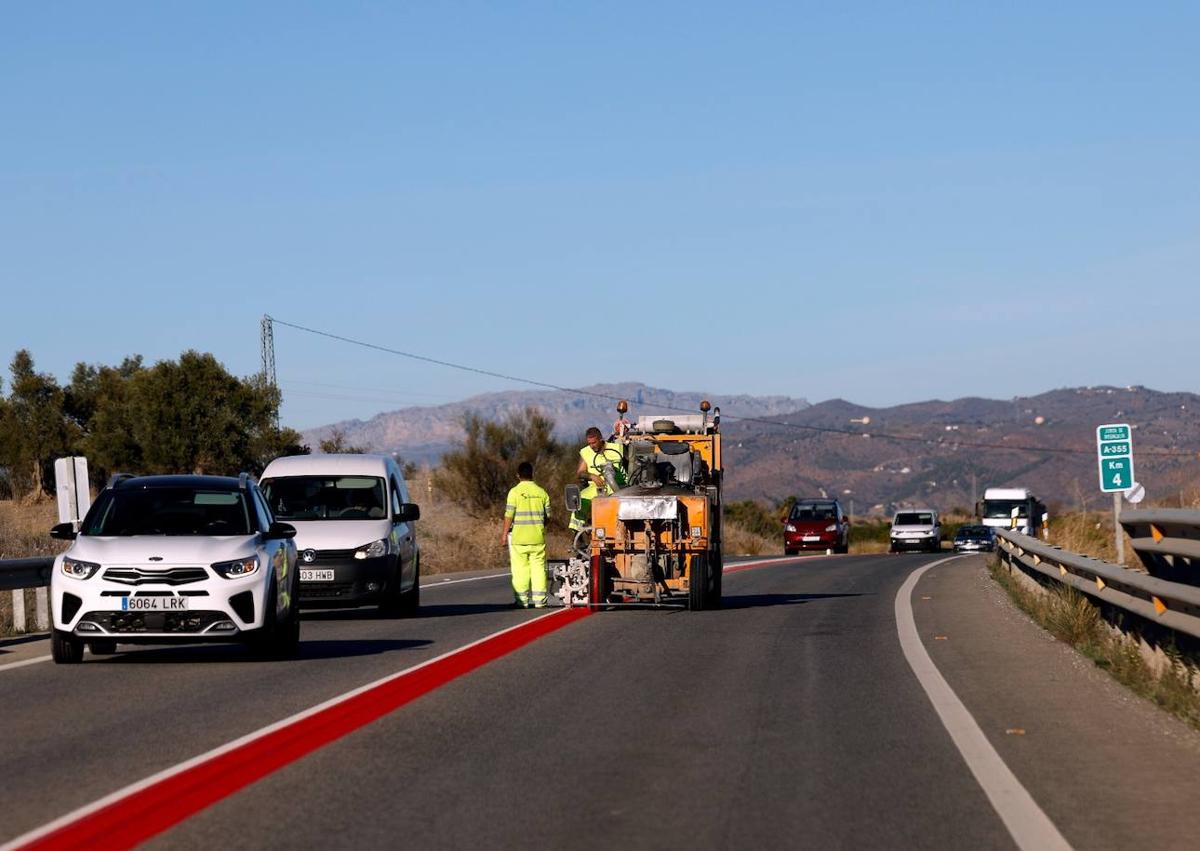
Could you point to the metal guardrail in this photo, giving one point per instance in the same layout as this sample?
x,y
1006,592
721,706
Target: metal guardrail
x,y
1175,605
1167,540
17,573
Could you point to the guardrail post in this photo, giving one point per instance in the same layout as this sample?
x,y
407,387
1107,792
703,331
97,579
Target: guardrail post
x,y
18,603
43,609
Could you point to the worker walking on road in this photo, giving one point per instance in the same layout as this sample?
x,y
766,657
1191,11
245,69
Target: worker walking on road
x,y
525,513
593,458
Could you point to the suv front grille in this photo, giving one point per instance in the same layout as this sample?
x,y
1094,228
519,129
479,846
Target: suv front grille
x,y
145,576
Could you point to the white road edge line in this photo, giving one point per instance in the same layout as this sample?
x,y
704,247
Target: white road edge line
x,y
10,665
442,582
126,791
1028,825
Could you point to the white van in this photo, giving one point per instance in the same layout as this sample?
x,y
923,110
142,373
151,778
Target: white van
x,y
354,529
916,529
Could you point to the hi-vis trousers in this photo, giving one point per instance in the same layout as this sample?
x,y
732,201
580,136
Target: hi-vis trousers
x,y
528,574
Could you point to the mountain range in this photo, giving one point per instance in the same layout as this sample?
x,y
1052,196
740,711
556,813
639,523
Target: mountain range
x,y
940,454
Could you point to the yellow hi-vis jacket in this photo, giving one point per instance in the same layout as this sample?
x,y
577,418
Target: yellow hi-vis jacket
x,y
528,506
612,453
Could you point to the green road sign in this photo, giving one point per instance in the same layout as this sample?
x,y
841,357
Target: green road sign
x,y
1114,450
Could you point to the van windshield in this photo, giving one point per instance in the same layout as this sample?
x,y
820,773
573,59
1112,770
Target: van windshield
x,y
913,518
326,497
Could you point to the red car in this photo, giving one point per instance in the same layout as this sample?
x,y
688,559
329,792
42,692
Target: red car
x,y
816,524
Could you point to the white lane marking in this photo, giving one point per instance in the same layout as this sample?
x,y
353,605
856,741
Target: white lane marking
x,y
1028,825
442,582
10,665
132,788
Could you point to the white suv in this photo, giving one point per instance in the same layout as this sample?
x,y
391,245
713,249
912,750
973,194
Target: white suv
x,y
916,529
175,559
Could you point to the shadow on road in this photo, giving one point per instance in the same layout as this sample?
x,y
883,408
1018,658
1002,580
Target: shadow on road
x,y
426,611
22,639
191,654
750,601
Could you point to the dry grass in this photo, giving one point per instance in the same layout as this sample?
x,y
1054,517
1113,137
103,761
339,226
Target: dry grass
x,y
24,531
1088,533
1071,617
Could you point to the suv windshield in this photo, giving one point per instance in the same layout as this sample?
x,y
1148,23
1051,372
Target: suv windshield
x,y
169,511
326,497
814,511
913,518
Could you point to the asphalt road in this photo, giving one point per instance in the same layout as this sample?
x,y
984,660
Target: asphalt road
x,y
788,718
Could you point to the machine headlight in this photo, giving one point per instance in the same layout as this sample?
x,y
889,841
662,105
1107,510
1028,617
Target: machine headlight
x,y
697,531
375,549
79,569
599,533
236,569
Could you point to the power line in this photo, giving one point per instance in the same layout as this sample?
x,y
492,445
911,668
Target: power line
x,y
897,438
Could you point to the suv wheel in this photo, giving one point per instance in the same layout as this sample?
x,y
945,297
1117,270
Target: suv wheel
x,y
279,639
66,648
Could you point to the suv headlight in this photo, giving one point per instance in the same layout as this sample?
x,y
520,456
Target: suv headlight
x,y
375,549
79,569
236,569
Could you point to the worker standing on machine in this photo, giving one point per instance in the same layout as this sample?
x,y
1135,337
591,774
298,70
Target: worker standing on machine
x,y
593,459
525,513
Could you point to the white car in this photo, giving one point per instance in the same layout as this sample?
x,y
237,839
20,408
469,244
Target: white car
x,y
175,559
918,529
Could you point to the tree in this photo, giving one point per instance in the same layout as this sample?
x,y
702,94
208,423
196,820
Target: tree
x,y
479,473
36,429
335,444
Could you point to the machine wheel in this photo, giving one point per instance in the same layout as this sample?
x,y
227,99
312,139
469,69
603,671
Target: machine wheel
x,y
66,648
104,647
597,592
698,592
718,575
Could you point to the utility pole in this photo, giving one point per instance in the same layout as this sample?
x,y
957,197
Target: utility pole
x,y
267,340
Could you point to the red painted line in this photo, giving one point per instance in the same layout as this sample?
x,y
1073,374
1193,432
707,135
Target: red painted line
x,y
149,810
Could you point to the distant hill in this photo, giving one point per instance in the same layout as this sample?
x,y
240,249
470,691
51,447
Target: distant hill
x,y
422,434
770,460
783,452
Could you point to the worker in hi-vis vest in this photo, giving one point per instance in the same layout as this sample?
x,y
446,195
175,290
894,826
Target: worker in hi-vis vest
x,y
525,513
593,458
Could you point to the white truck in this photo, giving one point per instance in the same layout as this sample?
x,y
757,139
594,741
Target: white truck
x,y
1001,505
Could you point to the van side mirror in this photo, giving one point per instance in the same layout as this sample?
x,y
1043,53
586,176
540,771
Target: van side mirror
x,y
574,500
281,531
409,511
63,532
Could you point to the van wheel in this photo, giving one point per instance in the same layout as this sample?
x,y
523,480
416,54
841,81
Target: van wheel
x,y
403,604
65,648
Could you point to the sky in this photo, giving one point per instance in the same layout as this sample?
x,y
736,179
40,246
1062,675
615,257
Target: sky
x,y
879,202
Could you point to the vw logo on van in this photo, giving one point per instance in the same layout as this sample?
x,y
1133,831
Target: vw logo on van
x,y
308,556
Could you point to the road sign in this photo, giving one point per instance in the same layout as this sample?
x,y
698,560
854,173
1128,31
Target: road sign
x,y
1114,451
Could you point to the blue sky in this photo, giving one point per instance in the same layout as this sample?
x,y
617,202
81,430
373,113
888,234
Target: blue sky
x,y
882,202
